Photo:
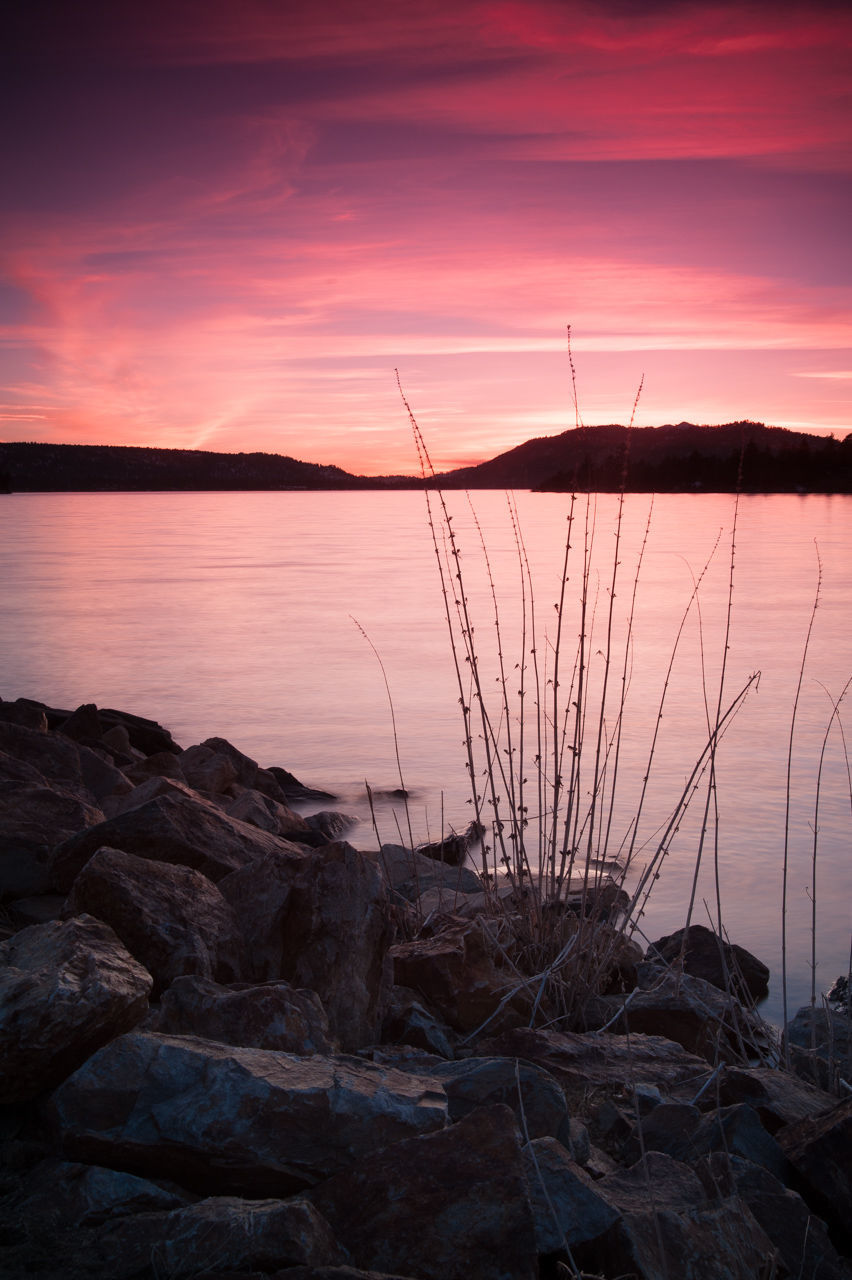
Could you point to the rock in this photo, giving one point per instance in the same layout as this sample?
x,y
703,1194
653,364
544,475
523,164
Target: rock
x,y
292,789
328,825
87,1195
670,1128
273,1015
409,1022
24,712
566,1207
226,1120
601,1063
453,848
171,919
458,973
40,909
819,1042
83,724
65,990
320,919
256,808
706,955
670,1228
162,764
33,818
146,736
338,1273
447,1206
174,828
737,1130
800,1238
531,1092
223,1234
148,788
409,874
777,1096
56,758
208,770
100,776
820,1150
690,1011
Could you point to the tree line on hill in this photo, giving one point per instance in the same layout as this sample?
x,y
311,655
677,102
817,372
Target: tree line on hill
x,y
744,456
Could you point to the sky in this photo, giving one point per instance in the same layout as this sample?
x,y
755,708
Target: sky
x,y
225,223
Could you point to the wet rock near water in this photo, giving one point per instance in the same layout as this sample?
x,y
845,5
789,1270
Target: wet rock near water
x,y
231,1043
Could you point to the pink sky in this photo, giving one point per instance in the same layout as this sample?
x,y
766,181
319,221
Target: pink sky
x,y
224,224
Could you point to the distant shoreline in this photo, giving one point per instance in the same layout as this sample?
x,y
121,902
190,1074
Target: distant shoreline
x,y
745,457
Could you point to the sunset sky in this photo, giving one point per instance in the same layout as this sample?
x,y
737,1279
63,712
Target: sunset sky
x,y
223,223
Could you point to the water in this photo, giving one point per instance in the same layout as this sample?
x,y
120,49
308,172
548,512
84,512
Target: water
x,y
232,614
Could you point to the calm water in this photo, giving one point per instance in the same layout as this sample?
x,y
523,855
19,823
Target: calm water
x,y
232,614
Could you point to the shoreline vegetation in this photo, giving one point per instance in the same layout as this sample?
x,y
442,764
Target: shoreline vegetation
x,y
232,1043
745,457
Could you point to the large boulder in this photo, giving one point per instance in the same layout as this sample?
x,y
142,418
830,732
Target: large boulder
x,y
176,828
66,988
602,1063
799,1236
222,1235
819,1044
62,1192
568,1210
690,1011
172,919
703,954
531,1092
410,874
227,1120
33,816
320,918
443,1207
270,815
269,1015
820,1150
461,973
670,1227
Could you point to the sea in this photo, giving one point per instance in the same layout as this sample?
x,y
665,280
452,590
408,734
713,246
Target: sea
x,y
340,634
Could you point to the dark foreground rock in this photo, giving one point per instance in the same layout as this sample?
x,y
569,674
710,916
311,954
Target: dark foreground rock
x,y
65,989
240,1046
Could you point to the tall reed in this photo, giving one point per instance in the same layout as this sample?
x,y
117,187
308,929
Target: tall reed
x,y
552,733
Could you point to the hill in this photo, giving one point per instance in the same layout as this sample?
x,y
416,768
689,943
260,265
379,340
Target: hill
x,y
669,459
89,467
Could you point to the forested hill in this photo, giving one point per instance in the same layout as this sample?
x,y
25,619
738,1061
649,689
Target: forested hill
x,y
669,459
91,467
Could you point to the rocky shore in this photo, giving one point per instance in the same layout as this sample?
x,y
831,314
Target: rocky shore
x,y
233,1044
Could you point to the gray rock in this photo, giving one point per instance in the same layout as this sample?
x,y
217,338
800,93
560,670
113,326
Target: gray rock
x,y
706,955
175,828
172,919
320,918
669,1227
237,1121
60,1191
223,1234
66,988
33,817
447,1206
272,1015
270,815
410,874
820,1150
819,1041
566,1207
531,1092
